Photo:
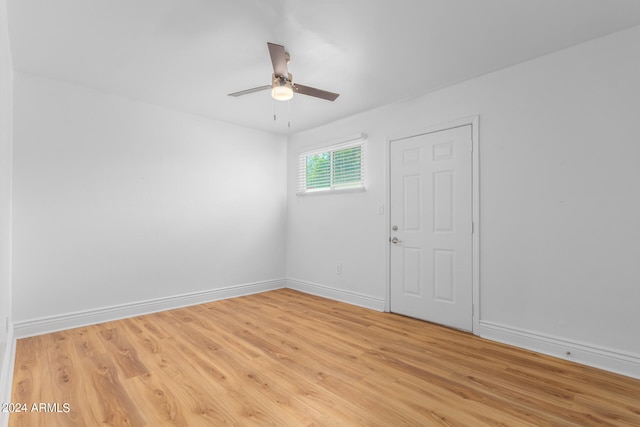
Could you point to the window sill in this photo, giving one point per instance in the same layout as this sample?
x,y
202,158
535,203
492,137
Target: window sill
x,y
332,191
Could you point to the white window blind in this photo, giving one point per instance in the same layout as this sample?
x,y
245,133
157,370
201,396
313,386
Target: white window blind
x,y
333,168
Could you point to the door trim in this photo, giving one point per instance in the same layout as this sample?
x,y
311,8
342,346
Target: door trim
x,y
475,188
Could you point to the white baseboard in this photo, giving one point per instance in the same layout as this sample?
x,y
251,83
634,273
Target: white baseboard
x,y
43,325
617,361
349,297
6,374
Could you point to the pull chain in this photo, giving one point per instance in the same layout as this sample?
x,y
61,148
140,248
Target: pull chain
x,y
288,112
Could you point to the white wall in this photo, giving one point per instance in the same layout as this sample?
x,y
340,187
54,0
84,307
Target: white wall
x,y
559,196
6,76
117,201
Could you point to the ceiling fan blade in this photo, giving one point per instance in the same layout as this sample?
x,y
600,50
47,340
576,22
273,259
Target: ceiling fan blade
x,y
247,91
278,59
312,91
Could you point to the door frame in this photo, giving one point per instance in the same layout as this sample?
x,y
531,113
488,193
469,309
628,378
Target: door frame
x,y
475,189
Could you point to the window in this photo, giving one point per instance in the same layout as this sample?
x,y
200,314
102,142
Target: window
x,y
333,168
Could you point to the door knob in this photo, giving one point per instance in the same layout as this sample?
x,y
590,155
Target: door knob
x,y
395,240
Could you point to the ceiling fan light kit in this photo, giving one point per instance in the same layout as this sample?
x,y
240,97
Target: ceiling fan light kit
x,y
282,86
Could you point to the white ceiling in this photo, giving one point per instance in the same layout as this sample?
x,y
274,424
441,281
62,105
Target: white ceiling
x,y
189,54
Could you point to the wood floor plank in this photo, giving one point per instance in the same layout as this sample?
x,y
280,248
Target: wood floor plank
x,y
284,358
125,354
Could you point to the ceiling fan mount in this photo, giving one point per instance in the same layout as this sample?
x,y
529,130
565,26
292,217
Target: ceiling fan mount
x,y
282,85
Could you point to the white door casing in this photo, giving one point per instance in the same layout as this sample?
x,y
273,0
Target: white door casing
x,y
431,204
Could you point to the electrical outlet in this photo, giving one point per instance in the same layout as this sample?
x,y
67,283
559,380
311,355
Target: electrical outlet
x,y
339,269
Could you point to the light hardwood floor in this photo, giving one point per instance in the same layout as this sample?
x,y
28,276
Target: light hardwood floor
x,y
285,358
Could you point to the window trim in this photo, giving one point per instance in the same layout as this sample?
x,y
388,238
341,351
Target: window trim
x,y
358,140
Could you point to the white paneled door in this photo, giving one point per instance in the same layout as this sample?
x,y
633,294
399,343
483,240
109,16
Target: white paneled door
x,y
431,227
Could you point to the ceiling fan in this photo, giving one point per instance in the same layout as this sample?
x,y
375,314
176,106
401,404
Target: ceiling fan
x,y
282,85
